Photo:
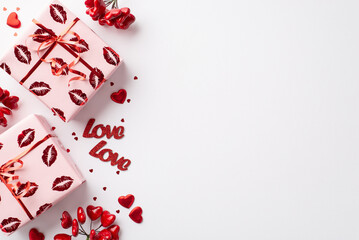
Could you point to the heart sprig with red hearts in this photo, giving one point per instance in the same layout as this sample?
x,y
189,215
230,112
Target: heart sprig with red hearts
x,y
120,18
9,102
107,230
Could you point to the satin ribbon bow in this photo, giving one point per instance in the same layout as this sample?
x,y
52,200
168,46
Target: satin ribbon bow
x,y
7,173
50,42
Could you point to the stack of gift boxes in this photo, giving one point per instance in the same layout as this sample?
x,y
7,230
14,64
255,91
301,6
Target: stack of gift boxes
x,y
64,63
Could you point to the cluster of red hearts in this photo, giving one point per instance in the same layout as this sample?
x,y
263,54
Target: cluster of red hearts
x,y
106,230
121,18
10,103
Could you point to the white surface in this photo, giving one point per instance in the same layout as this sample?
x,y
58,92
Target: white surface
x,y
243,124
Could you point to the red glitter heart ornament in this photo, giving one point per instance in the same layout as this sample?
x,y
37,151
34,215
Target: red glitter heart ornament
x,y
13,20
107,218
136,215
34,234
94,212
119,97
126,201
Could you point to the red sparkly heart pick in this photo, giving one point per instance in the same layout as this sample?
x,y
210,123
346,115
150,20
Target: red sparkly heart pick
x,y
34,234
119,97
136,215
94,212
126,201
13,20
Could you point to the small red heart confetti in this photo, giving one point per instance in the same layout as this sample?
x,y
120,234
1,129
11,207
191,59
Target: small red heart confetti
x,y
73,134
91,170
13,20
94,198
117,211
111,83
15,34
135,78
53,128
17,9
76,138
122,120
5,9
118,172
128,100
136,215
126,201
119,97
34,234
104,188
68,150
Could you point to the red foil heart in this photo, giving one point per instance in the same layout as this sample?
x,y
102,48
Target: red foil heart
x,y
94,212
136,215
66,220
13,21
34,234
107,218
126,201
119,97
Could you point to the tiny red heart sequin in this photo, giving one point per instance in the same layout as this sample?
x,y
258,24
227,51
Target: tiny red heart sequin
x,y
34,234
13,20
119,97
126,201
91,170
136,215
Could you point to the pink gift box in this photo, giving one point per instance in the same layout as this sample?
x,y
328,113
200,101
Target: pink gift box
x,y
61,60
35,172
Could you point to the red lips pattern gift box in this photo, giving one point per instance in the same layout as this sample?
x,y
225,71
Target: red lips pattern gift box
x,y
35,172
61,60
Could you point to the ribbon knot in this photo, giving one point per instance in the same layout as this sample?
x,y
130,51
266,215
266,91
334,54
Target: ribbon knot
x,y
7,174
51,41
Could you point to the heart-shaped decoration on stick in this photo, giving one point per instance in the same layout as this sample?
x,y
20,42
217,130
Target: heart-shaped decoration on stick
x,y
34,234
94,212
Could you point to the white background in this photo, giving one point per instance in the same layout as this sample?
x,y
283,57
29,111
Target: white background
x,y
243,124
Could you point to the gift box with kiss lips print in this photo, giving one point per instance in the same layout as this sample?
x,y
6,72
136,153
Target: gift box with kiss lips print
x,y
61,60
35,172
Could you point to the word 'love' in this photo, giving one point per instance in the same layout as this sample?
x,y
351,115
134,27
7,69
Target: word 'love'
x,y
105,154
